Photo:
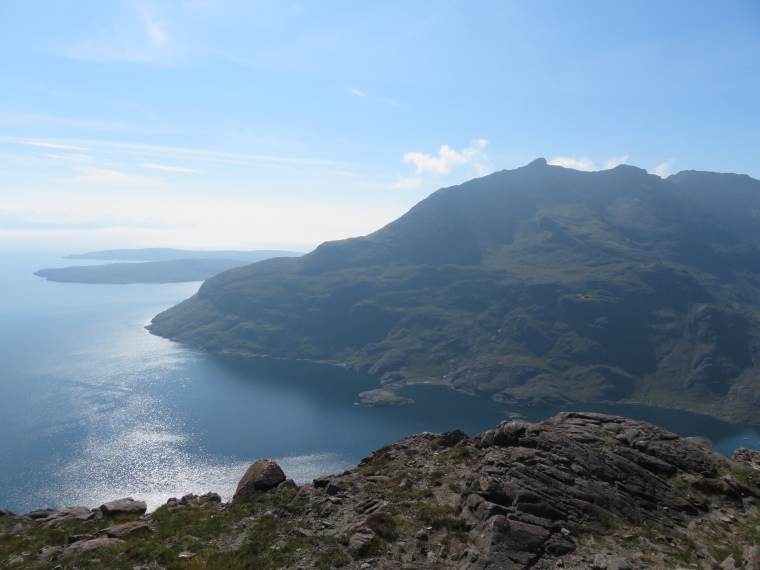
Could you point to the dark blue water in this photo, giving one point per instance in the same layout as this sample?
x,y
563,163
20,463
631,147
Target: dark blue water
x,y
93,407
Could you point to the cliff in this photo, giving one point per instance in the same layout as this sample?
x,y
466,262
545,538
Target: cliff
x,y
574,491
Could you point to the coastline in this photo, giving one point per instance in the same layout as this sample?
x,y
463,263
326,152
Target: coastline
x,y
399,385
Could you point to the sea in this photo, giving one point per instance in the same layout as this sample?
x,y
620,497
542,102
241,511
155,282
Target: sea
x,y
94,408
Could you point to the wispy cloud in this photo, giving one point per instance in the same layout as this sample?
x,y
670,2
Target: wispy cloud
x,y
73,157
188,154
663,170
53,122
136,35
107,177
170,168
365,95
448,159
55,145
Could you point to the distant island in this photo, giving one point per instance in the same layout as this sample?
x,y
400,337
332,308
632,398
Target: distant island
x,y
156,265
169,254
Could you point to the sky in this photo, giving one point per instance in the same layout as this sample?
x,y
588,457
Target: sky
x,y
247,124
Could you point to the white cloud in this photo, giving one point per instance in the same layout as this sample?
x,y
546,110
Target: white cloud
x,y
448,159
106,177
170,168
614,161
357,93
55,145
663,170
586,164
581,163
74,157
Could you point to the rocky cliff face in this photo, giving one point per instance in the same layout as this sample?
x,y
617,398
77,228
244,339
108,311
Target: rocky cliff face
x,y
539,285
575,491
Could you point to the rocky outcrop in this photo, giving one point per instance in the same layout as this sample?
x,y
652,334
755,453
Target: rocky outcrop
x,y
263,475
576,491
126,506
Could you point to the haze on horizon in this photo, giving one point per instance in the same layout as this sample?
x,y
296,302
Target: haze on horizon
x,y
232,124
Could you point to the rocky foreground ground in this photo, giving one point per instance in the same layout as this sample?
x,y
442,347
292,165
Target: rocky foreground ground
x,y
578,490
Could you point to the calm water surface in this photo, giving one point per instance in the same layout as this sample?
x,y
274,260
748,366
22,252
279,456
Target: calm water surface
x,y
94,408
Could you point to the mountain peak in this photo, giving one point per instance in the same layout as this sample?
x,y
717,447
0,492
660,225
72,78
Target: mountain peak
x,y
537,163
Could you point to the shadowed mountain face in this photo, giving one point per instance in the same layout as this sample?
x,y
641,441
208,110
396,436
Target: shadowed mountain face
x,y
535,285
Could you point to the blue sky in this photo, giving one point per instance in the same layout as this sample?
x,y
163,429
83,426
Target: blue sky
x,y
264,124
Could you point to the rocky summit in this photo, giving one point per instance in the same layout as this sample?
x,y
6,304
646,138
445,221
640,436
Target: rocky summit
x,y
578,490
539,285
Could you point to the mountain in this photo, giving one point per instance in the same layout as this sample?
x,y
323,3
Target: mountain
x,y
575,491
539,285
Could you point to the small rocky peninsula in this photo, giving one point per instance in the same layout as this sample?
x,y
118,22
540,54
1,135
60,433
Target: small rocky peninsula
x,y
578,490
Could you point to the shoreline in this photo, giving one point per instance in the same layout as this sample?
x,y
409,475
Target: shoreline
x,y
401,384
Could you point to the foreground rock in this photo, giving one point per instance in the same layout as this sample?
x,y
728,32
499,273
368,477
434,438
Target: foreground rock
x,y
126,506
263,475
575,491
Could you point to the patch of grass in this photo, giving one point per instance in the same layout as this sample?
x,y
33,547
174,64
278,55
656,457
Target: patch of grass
x,y
333,558
442,517
383,526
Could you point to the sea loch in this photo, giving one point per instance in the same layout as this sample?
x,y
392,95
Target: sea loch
x,y
93,407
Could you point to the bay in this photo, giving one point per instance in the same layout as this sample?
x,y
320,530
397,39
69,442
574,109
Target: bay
x,y
94,408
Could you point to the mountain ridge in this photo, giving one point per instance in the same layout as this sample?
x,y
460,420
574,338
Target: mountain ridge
x,y
538,285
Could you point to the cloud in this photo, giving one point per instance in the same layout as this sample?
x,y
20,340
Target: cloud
x,y
586,164
170,168
581,163
186,153
51,122
55,145
448,159
663,170
106,177
387,101
74,157
134,35
614,161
